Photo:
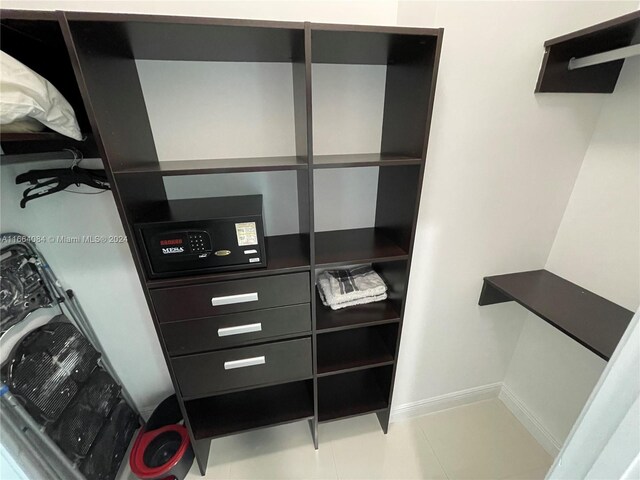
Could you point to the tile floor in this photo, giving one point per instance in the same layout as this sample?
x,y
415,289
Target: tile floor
x,y
479,441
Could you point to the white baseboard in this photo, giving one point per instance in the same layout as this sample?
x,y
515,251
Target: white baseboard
x,y
444,402
519,410
485,392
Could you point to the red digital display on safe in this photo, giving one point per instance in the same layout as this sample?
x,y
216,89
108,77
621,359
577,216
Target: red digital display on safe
x,y
173,241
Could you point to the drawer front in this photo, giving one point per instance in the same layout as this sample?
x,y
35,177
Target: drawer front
x,y
223,331
215,372
197,301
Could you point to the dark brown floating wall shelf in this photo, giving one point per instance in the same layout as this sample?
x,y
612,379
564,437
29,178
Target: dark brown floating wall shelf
x,y
589,319
555,75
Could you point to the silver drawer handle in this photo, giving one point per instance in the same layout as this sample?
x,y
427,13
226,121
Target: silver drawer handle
x,y
245,362
231,299
252,327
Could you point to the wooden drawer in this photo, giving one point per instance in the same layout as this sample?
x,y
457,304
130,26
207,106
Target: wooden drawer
x,y
215,372
197,301
223,331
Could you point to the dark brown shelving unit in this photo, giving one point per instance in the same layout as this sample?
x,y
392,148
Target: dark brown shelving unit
x,y
355,349
355,393
223,415
345,361
555,75
589,319
361,245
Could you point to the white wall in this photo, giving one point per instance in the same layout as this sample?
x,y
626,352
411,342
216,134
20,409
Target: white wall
x,y
502,164
202,110
368,12
102,275
597,247
501,167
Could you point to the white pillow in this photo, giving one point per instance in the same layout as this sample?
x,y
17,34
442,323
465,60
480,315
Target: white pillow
x,y
24,93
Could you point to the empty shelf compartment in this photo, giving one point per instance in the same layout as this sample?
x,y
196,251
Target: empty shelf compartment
x,y
357,348
355,393
358,245
222,415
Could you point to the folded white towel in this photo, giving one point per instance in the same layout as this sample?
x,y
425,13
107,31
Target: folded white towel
x,y
355,286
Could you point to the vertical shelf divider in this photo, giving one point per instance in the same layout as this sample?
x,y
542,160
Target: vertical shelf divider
x,y
309,208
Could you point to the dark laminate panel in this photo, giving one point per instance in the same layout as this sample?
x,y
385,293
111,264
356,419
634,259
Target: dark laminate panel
x,y
622,25
116,98
206,374
222,165
406,99
397,203
363,160
591,320
351,394
211,333
202,39
554,74
356,348
43,142
237,412
328,320
306,215
355,246
285,254
196,301
396,274
367,45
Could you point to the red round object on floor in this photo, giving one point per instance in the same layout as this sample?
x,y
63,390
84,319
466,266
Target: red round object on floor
x,y
160,454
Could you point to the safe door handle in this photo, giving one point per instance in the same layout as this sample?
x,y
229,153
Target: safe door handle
x,y
245,362
231,299
252,327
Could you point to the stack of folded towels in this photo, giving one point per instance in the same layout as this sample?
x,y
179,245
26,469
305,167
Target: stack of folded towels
x,y
353,286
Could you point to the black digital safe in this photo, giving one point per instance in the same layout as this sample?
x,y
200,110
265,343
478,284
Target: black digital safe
x,y
199,235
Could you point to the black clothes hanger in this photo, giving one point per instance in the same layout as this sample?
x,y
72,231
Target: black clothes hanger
x,y
49,181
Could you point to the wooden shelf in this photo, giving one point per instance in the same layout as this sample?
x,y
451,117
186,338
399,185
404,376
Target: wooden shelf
x,y
355,349
352,394
14,144
285,254
363,160
589,319
226,165
222,415
376,313
361,245
31,137
555,75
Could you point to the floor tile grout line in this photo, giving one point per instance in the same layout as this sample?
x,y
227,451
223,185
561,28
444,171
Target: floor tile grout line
x,y
435,454
333,459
